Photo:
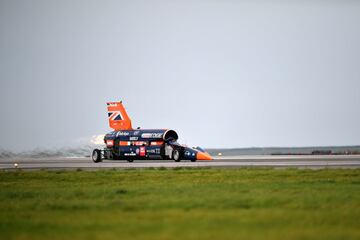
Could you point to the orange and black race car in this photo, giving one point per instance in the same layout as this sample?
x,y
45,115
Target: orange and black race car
x,y
126,143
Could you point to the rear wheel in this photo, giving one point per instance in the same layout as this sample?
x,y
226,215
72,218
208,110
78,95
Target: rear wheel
x,y
96,156
176,155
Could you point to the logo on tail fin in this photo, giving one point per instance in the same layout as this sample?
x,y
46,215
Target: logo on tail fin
x,y
115,115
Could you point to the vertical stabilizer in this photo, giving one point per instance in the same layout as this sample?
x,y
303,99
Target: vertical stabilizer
x,y
118,118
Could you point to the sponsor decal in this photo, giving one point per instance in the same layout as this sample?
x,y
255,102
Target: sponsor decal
x,y
142,151
134,138
122,134
130,154
137,151
136,132
151,135
153,151
109,143
156,143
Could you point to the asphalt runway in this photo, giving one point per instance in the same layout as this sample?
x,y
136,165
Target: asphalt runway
x,y
283,161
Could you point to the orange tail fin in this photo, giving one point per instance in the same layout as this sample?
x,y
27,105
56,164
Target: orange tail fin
x,y
118,118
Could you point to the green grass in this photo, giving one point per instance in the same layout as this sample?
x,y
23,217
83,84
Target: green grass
x,y
181,204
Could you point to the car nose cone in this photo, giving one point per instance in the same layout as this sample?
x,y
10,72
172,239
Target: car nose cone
x,y
203,156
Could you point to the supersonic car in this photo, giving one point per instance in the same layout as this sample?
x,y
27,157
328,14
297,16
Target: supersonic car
x,y
126,143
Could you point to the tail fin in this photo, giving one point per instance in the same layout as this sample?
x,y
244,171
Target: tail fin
x,y
118,118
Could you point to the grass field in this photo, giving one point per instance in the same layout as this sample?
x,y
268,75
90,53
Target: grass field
x,y
181,204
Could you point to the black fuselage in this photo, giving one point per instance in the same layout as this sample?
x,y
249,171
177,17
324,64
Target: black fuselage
x,y
140,144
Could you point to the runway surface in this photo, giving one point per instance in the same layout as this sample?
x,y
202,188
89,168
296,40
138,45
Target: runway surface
x,y
283,161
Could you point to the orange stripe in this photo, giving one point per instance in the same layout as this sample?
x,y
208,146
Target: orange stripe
x,y
124,143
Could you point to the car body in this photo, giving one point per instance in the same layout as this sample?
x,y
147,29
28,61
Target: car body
x,y
126,143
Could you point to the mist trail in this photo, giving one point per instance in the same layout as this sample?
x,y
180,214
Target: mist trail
x,y
82,151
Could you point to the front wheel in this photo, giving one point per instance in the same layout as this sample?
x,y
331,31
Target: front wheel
x,y
96,156
176,155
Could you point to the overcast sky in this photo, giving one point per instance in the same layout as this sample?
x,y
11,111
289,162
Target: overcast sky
x,y
221,73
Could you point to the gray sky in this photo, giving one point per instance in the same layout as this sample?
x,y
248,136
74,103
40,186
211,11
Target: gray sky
x,y
221,73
